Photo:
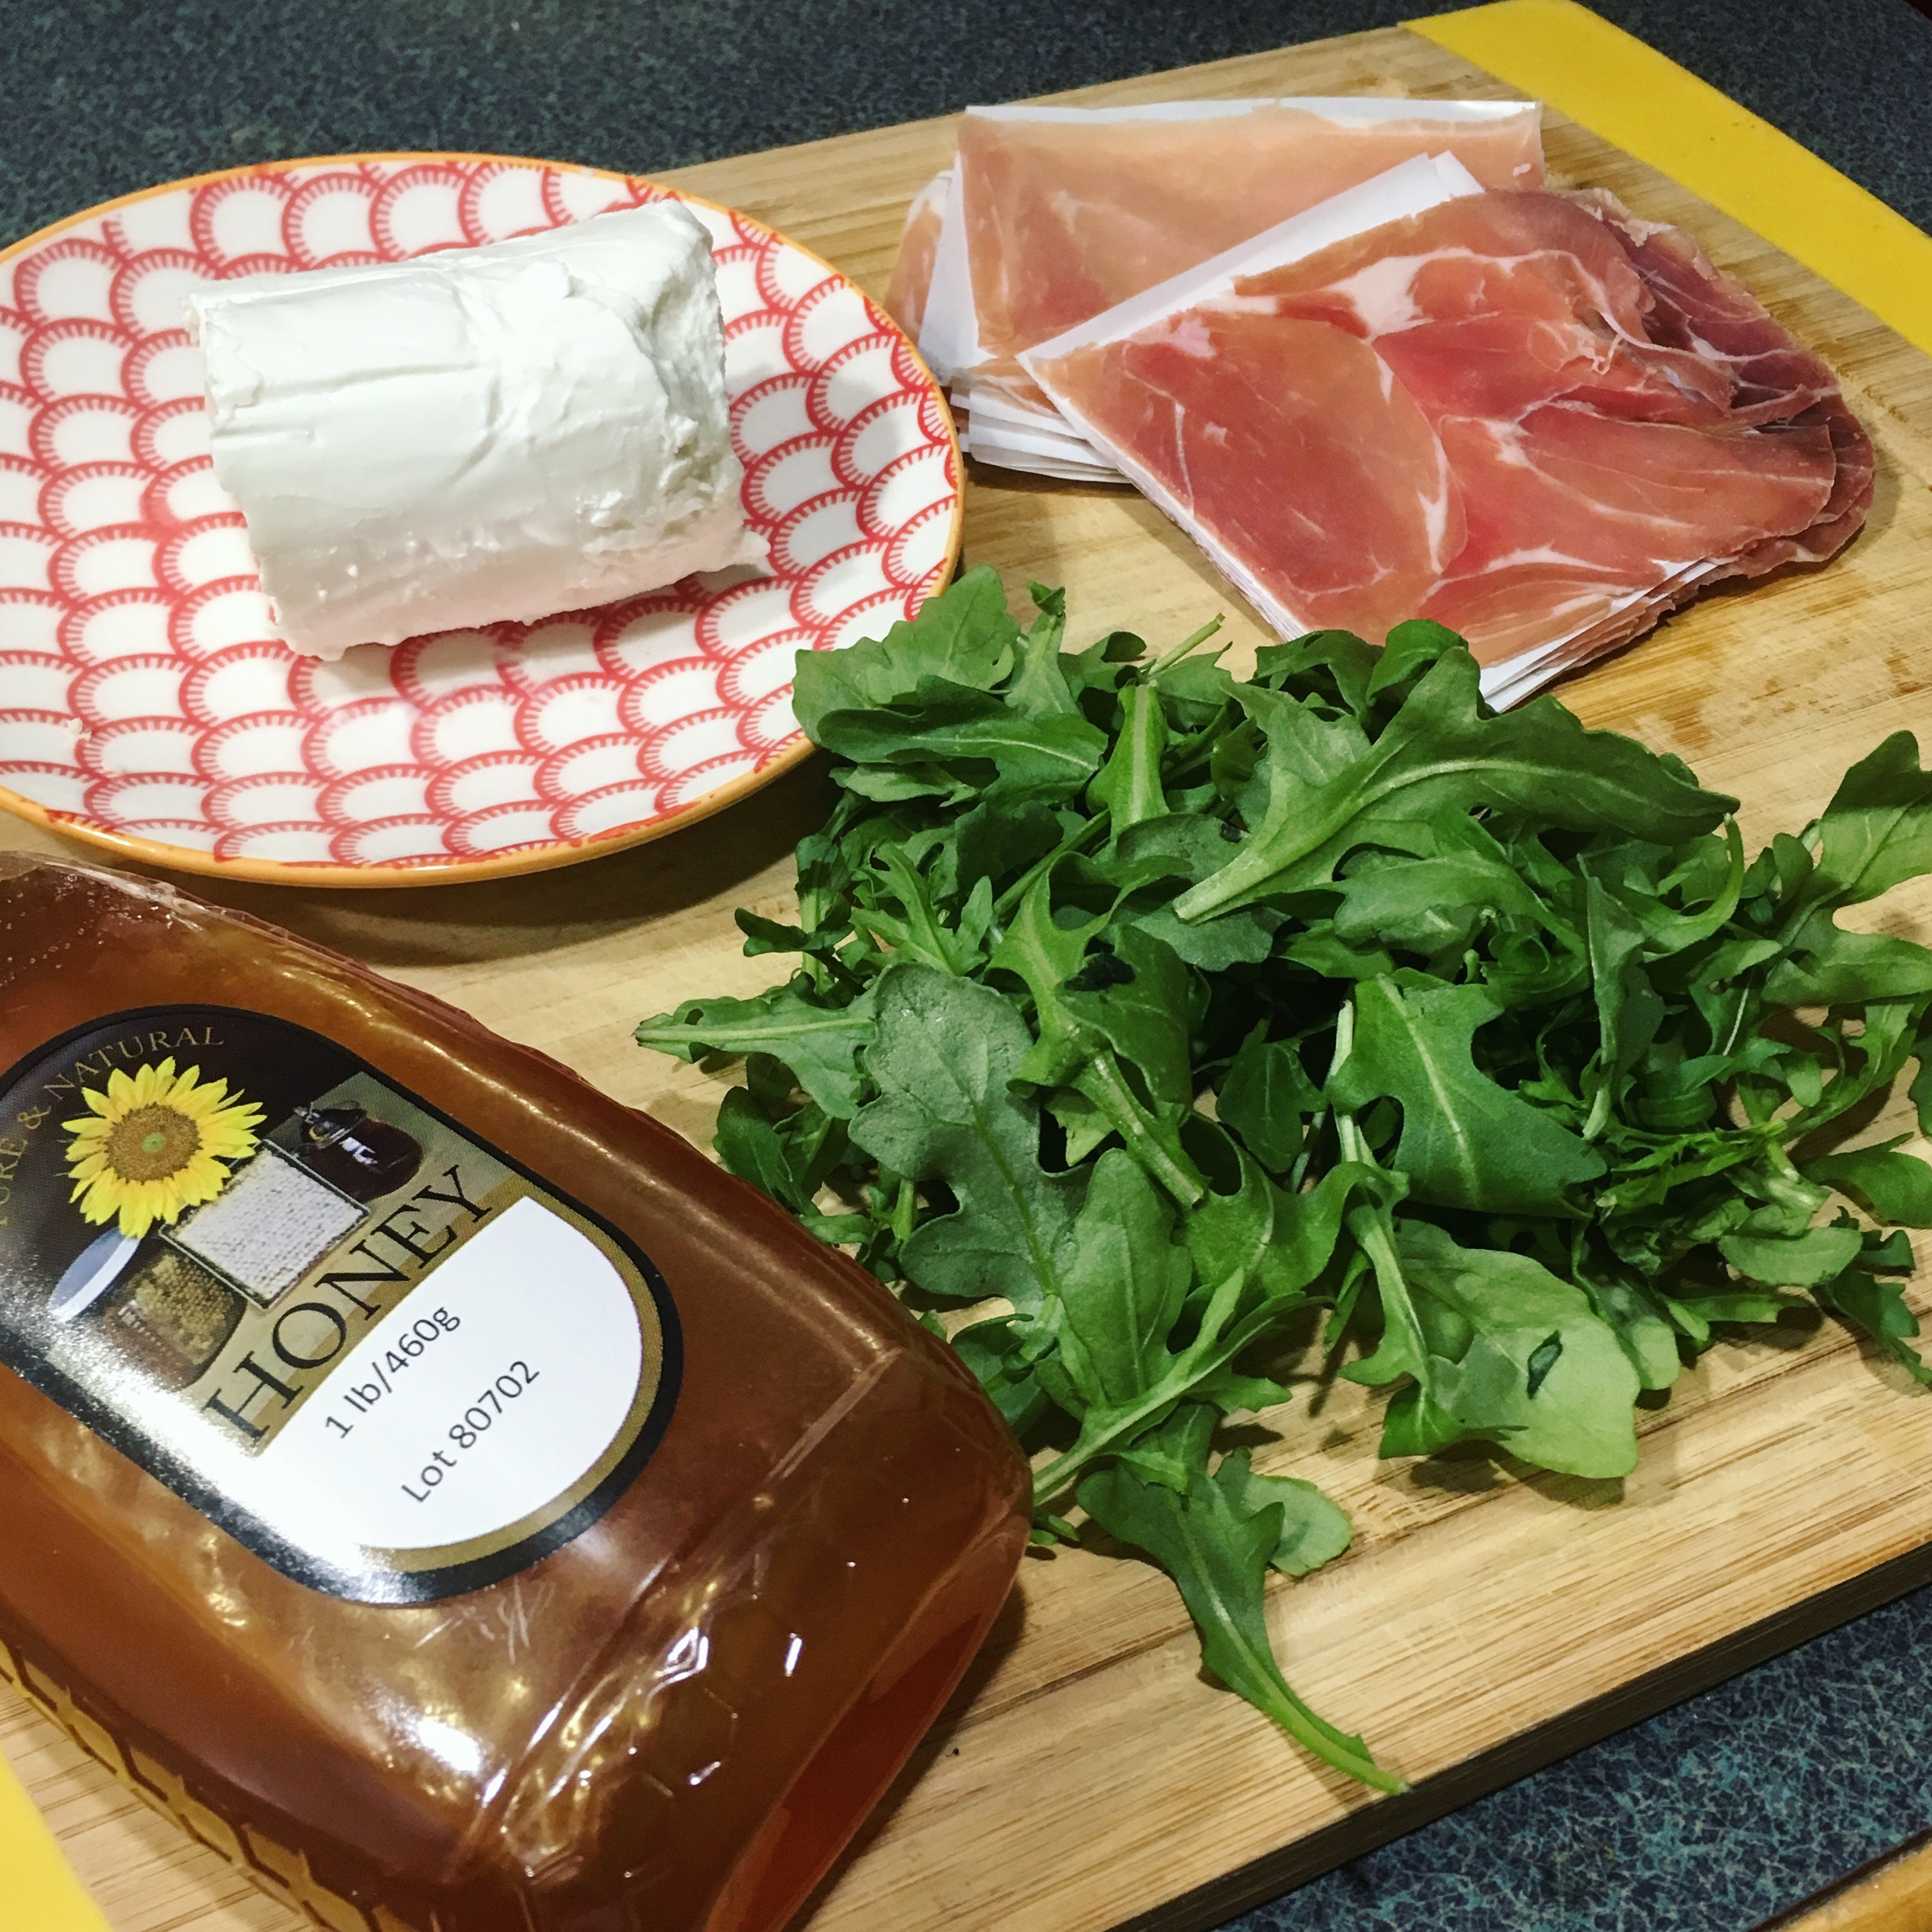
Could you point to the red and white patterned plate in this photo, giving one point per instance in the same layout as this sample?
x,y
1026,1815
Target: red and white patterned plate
x,y
144,705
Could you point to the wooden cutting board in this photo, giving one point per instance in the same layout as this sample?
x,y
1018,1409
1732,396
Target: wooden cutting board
x,y
1087,1778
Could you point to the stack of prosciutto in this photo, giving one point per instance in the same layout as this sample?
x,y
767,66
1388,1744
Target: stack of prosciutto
x,y
1050,215
1528,415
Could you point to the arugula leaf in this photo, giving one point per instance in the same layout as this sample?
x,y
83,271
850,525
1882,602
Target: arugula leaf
x,y
1217,1548
919,932
1410,649
1629,1011
995,1351
1466,1142
1802,1260
1828,967
1123,1009
945,1051
1639,1325
1896,1187
1251,1301
1440,748
964,638
1423,904
1865,1066
1175,1454
1314,1530
1876,832
748,1143
817,1041
1122,1289
1920,1091
973,737
1043,687
789,1160
1696,1314
1268,1096
1129,788
1045,953
1142,1015
1878,1308
991,841
1488,1315
1332,667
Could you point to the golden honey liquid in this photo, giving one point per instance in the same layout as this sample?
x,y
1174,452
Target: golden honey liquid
x,y
672,1721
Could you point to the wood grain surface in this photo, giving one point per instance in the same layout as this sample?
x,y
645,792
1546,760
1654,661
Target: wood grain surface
x,y
1088,1777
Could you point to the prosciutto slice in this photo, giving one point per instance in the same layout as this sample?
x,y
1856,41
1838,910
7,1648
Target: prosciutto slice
x,y
1051,215
1069,210
1528,415
919,248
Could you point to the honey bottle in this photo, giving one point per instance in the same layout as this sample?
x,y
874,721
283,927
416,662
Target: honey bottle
x,y
509,1523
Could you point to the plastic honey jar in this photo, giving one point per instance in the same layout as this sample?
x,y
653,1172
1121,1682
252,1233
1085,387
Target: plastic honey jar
x,y
437,1485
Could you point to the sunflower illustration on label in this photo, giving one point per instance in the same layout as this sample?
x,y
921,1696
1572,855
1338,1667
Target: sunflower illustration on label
x,y
385,1356
156,1142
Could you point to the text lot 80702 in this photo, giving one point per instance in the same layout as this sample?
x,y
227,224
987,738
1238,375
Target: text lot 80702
x,y
469,1428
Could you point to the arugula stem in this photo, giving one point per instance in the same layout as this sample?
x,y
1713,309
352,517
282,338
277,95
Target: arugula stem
x,y
1345,1045
1210,1350
1311,1142
1103,1083
905,1207
1122,1427
1728,1044
1752,982
1089,833
1373,1228
1171,657
1373,1231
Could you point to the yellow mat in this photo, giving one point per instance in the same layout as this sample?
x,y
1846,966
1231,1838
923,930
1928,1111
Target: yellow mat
x,y
37,1891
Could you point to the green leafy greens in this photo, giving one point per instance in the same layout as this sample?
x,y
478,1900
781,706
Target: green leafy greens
x,y
1145,1016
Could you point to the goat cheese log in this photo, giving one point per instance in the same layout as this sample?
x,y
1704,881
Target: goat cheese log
x,y
502,432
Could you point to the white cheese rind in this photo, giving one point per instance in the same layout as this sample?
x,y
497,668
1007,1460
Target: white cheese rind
x,y
502,432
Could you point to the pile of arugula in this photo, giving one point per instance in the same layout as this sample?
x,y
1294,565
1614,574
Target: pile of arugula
x,y
1142,1010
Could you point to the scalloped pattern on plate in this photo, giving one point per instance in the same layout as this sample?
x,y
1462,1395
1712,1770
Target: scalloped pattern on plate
x,y
142,692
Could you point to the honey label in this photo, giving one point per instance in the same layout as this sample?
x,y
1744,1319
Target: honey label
x,y
387,1359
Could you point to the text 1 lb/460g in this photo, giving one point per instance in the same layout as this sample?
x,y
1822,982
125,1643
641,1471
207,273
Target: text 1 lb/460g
x,y
404,1349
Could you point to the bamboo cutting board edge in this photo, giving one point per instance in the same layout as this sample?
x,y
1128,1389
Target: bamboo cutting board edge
x,y
569,961
1211,1905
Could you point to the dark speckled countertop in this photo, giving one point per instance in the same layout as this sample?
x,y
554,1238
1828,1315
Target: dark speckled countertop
x,y
1715,1815
105,96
